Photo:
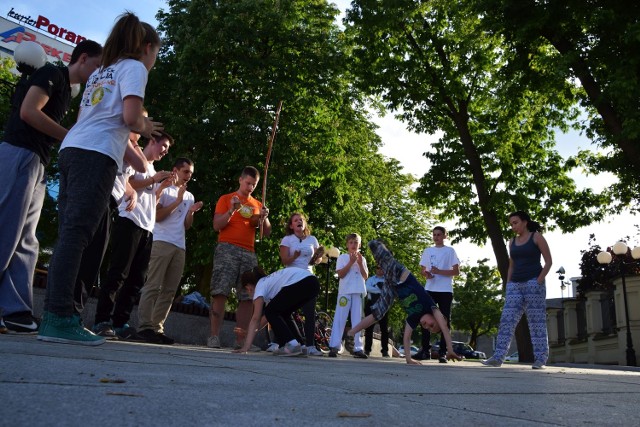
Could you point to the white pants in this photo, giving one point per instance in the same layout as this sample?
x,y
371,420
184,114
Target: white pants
x,y
346,303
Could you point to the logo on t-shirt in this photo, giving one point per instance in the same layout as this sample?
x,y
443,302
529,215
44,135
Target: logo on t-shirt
x,y
246,211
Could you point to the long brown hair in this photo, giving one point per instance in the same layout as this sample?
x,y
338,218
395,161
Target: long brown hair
x,y
127,39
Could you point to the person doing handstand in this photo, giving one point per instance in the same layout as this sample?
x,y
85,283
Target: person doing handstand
x,y
420,308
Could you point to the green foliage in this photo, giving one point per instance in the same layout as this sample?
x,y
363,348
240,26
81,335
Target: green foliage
x,y
596,276
594,43
222,69
436,63
478,301
7,85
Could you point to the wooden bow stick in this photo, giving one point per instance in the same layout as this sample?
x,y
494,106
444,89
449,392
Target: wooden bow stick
x,y
272,138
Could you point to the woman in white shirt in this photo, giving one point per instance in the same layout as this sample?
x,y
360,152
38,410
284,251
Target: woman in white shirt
x,y
300,249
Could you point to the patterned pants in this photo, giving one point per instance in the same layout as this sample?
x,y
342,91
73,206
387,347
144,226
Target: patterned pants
x,y
524,297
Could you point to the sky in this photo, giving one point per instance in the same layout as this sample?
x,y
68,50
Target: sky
x,y
94,19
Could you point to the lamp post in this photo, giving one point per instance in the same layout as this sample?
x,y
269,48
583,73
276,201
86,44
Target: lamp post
x,y
330,255
563,283
620,249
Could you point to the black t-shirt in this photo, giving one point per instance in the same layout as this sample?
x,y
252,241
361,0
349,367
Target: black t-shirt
x,y
55,81
415,301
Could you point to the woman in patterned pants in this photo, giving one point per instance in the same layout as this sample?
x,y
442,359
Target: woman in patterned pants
x,y
526,291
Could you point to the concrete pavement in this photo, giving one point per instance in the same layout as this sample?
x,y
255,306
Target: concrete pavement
x,y
135,384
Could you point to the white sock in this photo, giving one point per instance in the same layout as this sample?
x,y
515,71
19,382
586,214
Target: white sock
x,y
293,342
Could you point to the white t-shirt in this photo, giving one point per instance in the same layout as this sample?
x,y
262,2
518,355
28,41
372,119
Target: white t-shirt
x,y
171,229
144,213
100,125
120,184
268,287
353,282
443,258
306,247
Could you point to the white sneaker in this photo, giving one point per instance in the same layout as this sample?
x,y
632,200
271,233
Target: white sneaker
x,y
273,347
213,342
312,351
537,365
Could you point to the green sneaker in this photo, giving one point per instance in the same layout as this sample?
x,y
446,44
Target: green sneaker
x,y
67,330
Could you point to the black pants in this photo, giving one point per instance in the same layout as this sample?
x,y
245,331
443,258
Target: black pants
x,y
384,328
443,300
131,250
289,299
92,257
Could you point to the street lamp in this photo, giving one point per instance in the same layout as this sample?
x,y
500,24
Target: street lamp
x,y
620,249
330,255
563,283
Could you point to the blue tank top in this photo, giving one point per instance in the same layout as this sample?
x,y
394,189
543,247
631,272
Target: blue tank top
x,y
526,260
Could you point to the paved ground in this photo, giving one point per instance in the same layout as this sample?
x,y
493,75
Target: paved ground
x,y
133,384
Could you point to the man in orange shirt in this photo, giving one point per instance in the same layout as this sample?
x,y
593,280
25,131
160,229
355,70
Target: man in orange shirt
x,y
236,218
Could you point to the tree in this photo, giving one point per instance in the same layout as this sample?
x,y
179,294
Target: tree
x,y
478,301
594,43
223,67
7,85
436,62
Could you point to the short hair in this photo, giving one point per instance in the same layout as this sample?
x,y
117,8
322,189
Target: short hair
x,y
89,47
164,135
440,228
353,236
251,277
250,171
181,161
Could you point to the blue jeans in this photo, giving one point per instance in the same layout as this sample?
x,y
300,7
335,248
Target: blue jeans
x,y
21,198
86,181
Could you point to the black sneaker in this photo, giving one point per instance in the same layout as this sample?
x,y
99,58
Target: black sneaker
x,y
21,323
149,336
385,355
333,353
360,355
105,329
442,359
422,355
165,339
126,332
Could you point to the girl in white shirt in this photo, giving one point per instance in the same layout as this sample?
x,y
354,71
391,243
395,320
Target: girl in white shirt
x,y
300,249
90,155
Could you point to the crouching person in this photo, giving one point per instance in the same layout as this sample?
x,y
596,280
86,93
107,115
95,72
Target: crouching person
x,y
278,294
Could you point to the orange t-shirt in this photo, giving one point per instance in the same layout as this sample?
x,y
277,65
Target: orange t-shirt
x,y
239,231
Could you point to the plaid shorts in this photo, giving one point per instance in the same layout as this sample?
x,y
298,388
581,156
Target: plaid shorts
x,y
229,262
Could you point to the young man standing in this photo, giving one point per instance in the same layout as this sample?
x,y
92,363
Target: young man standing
x,y
32,129
174,215
236,218
439,264
131,246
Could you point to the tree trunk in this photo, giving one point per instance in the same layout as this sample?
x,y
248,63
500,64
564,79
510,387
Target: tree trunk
x,y
492,225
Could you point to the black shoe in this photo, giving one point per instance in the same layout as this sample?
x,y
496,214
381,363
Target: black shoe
x,y
360,355
422,355
385,355
333,353
165,339
21,323
149,336
442,359
127,332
